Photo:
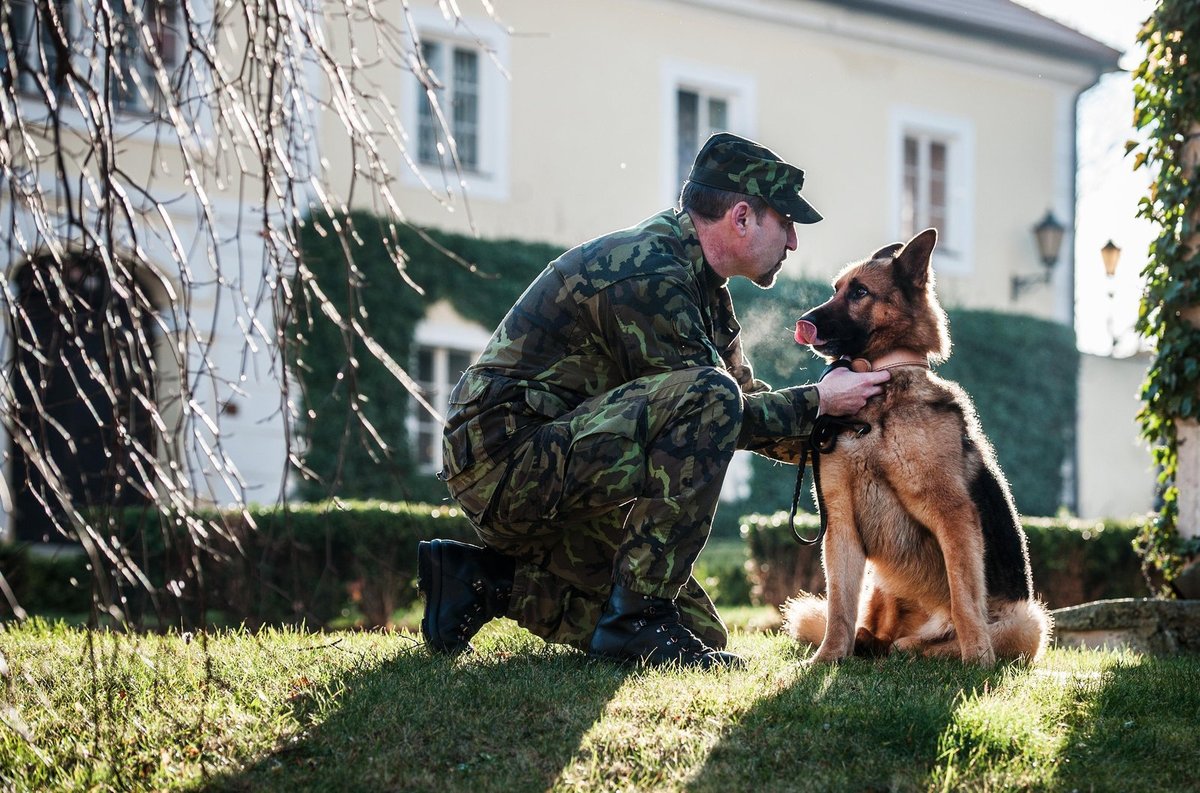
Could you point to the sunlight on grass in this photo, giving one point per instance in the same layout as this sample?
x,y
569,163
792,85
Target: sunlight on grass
x,y
1018,729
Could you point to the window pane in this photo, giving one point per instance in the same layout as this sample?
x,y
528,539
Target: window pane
x,y
909,197
429,451
687,114
36,44
937,186
457,363
436,384
428,129
163,18
466,107
718,115
425,365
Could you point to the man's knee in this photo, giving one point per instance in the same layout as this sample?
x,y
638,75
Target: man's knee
x,y
718,395
720,386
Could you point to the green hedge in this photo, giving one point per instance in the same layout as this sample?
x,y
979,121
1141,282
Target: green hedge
x,y
1073,561
311,563
1022,373
318,563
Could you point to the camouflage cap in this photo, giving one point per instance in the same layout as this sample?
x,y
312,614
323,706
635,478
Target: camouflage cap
x,y
729,162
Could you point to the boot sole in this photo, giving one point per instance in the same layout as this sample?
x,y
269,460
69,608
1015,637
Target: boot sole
x,y
644,662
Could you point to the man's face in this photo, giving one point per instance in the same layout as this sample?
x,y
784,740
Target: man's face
x,y
769,238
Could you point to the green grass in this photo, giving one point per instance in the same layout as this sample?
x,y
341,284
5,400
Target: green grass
x,y
289,710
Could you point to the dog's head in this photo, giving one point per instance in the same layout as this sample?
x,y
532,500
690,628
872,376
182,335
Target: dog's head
x,y
882,304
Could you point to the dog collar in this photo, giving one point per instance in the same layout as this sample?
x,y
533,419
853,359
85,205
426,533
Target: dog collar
x,y
888,361
863,365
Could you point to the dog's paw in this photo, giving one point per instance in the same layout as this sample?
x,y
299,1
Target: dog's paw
x,y
981,655
823,657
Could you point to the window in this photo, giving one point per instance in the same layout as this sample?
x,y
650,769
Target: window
x,y
44,32
698,100
933,179
923,200
698,114
136,86
438,371
456,70
41,34
468,74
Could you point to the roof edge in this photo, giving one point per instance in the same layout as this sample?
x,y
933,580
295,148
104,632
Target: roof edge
x,y
1084,49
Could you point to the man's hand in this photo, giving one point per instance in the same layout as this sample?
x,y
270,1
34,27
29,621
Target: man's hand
x,y
844,393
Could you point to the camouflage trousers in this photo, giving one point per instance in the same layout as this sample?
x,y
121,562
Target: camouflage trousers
x,y
620,490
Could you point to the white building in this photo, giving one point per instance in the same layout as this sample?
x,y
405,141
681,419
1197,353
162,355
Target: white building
x,y
569,119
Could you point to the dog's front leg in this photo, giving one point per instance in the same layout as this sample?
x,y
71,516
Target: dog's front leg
x,y
844,560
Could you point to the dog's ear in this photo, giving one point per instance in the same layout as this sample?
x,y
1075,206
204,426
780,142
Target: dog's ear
x,y
912,262
887,251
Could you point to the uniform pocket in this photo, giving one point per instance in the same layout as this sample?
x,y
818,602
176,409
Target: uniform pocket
x,y
475,488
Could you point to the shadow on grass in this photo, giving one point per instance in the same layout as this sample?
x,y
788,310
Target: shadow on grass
x,y
1126,723
499,720
861,725
1132,727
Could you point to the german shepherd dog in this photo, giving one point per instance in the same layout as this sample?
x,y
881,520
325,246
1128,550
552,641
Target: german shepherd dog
x,y
920,496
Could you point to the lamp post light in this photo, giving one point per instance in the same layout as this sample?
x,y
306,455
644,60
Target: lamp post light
x,y
1049,236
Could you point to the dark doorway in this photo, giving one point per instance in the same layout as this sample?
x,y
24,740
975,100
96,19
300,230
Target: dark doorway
x,y
82,380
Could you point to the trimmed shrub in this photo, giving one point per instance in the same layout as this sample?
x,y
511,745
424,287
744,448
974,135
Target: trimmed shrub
x,y
1073,561
304,563
721,568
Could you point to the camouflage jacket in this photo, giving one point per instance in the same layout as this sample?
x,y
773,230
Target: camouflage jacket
x,y
632,303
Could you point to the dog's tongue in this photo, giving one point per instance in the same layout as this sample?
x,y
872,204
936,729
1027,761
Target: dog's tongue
x,y
806,332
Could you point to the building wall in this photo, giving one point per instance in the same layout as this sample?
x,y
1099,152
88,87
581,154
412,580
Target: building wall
x,y
1116,473
588,128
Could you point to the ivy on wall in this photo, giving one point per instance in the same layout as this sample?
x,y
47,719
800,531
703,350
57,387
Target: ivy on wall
x,y
1021,371
1167,110
351,401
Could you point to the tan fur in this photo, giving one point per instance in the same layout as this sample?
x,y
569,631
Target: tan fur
x,y
904,551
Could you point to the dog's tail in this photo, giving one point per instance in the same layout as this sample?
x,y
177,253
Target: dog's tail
x,y
1021,629
804,618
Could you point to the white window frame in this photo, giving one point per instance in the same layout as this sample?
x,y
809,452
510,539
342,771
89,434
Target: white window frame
x,y
738,90
443,338
490,179
956,243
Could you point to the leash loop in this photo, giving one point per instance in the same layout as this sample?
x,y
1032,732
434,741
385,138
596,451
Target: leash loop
x,y
823,440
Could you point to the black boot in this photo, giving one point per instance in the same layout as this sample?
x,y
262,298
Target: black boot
x,y
647,630
464,586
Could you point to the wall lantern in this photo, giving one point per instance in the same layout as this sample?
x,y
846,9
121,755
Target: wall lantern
x,y
1110,254
1049,236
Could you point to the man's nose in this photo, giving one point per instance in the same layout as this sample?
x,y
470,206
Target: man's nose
x,y
792,242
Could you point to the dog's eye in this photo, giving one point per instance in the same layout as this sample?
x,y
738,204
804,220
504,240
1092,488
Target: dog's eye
x,y
858,292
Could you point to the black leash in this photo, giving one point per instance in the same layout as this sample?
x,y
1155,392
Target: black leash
x,y
823,440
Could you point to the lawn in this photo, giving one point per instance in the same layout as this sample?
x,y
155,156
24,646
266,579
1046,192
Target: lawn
x,y
291,710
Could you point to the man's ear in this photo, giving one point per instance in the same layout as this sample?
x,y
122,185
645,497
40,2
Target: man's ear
x,y
741,213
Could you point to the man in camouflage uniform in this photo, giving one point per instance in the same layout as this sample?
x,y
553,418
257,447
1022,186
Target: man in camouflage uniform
x,y
589,443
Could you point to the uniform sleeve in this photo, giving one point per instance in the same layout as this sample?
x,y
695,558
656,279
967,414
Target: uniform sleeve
x,y
651,325
777,424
